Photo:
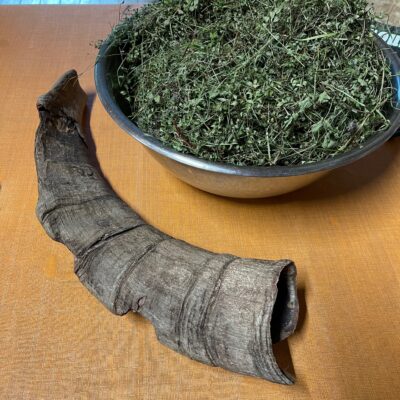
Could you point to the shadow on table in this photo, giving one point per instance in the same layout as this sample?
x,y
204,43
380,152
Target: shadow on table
x,y
344,180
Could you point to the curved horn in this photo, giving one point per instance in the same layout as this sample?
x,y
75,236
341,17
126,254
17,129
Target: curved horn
x,y
219,309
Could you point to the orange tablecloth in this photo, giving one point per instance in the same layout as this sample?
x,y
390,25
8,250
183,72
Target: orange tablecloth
x,y
58,342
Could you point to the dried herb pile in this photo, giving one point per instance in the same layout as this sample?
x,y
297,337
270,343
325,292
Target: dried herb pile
x,y
247,82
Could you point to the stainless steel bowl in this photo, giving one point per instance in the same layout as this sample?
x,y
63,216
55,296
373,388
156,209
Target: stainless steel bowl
x,y
229,180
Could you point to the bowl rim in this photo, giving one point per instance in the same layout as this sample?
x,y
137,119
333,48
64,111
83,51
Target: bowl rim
x,y
152,143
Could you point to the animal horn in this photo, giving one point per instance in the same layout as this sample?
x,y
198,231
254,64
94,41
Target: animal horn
x,y
218,309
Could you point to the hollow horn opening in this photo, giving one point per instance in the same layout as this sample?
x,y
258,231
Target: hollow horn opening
x,y
286,309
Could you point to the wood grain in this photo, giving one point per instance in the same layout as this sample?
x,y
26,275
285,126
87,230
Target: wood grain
x,y
343,232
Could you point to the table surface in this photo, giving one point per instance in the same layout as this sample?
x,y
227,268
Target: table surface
x,y
58,342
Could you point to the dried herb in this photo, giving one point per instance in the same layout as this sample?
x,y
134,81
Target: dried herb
x,y
246,82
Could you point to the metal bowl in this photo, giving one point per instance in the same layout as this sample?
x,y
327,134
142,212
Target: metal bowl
x,y
229,180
